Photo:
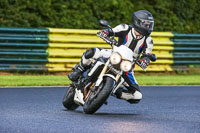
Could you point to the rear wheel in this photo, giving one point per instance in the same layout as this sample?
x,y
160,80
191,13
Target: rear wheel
x,y
68,99
99,96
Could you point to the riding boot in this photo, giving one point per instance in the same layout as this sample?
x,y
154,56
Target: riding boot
x,y
77,71
132,97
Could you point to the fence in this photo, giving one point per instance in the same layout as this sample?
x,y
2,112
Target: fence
x,y
23,49
186,50
27,49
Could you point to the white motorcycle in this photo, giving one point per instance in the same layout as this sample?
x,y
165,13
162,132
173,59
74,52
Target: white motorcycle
x,y
102,79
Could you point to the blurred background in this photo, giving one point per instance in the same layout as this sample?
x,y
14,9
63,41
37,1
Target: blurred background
x,y
41,40
170,15
49,36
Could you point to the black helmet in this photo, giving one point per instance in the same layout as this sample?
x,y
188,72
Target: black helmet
x,y
143,22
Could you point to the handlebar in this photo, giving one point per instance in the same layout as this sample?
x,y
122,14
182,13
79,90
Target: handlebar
x,y
137,62
112,41
108,40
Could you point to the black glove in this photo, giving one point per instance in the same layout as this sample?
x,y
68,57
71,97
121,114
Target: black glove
x,y
144,62
105,32
104,35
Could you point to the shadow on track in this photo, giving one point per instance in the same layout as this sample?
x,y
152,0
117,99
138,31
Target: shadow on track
x,y
101,113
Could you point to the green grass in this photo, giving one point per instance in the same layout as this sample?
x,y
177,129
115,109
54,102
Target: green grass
x,y
33,80
54,80
169,80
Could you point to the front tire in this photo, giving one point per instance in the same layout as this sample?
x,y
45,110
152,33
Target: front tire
x,y
68,99
98,97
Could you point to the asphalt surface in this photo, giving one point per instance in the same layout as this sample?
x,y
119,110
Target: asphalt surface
x,y
164,109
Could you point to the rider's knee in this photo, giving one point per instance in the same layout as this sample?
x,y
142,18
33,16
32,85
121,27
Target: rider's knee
x,y
137,96
90,53
132,96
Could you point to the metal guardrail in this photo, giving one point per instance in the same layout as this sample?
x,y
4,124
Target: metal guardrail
x,y
186,49
23,49
67,46
27,49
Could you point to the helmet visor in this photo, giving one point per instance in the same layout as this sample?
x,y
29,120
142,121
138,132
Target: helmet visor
x,y
146,24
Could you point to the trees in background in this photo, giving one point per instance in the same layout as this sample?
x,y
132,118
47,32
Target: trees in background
x,y
170,15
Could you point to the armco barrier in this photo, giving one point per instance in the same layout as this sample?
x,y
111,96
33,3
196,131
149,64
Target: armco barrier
x,y
67,46
26,49
23,49
186,49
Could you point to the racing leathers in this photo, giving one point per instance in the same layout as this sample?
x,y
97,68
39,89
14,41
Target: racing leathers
x,y
130,90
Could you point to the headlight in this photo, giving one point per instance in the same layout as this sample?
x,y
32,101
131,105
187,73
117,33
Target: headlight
x,y
126,66
115,58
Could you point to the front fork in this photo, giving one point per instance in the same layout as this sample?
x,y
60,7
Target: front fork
x,y
100,78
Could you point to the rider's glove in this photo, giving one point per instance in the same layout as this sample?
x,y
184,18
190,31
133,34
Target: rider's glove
x,y
144,62
104,34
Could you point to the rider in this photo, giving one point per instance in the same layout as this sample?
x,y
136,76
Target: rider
x,y
137,38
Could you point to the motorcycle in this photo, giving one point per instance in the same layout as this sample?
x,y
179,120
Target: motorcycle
x,y
102,79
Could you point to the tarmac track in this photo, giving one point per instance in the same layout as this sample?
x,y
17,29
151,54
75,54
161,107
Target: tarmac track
x,y
163,109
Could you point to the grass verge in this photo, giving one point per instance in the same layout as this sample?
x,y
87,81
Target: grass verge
x,y
169,80
33,80
54,80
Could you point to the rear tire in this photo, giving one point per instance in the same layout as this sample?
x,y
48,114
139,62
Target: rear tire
x,y
97,98
68,99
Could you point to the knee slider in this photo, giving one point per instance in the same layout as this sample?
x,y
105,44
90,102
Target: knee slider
x,y
89,53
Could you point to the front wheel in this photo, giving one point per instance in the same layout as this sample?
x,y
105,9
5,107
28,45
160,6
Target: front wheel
x,y
68,99
99,96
